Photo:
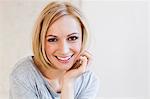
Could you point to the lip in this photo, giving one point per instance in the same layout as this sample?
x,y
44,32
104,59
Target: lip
x,y
64,59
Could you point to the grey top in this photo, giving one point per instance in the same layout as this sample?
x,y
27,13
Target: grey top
x,y
26,82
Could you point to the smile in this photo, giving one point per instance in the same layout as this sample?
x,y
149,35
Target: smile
x,y
64,59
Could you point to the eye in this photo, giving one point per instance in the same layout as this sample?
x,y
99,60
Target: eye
x,y
52,40
73,38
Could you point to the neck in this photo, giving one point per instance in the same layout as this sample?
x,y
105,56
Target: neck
x,y
53,76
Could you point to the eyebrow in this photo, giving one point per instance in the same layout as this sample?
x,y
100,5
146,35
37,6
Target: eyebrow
x,y
51,35
72,34
67,35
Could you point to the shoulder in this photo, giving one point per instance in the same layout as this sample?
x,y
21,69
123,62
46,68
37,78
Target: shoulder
x,y
90,78
23,65
23,79
23,69
87,84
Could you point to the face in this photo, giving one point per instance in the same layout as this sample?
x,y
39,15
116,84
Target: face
x,y
63,42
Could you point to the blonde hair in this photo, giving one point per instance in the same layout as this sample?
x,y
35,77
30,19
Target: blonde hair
x,y
47,17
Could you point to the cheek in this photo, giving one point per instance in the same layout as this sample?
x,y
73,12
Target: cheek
x,y
49,49
76,47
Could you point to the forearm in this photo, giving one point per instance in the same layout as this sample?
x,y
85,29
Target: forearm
x,y
67,91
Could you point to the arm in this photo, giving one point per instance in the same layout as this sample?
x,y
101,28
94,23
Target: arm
x,y
67,91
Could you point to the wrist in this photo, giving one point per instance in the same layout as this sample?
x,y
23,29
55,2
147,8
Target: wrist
x,y
68,88
68,82
67,79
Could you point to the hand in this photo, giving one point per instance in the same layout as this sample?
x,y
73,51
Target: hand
x,y
70,75
67,89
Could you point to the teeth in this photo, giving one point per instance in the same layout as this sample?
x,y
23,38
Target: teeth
x,y
64,58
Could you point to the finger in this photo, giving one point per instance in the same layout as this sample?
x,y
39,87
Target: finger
x,y
88,55
84,60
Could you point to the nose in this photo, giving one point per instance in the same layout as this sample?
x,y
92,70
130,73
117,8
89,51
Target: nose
x,y
64,48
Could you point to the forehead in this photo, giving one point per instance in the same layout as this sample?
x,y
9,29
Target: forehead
x,y
65,25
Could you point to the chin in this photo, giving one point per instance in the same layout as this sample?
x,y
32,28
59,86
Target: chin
x,y
64,67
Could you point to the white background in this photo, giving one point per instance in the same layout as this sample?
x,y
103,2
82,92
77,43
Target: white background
x,y
120,43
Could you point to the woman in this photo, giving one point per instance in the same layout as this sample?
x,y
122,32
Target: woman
x,y
58,68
